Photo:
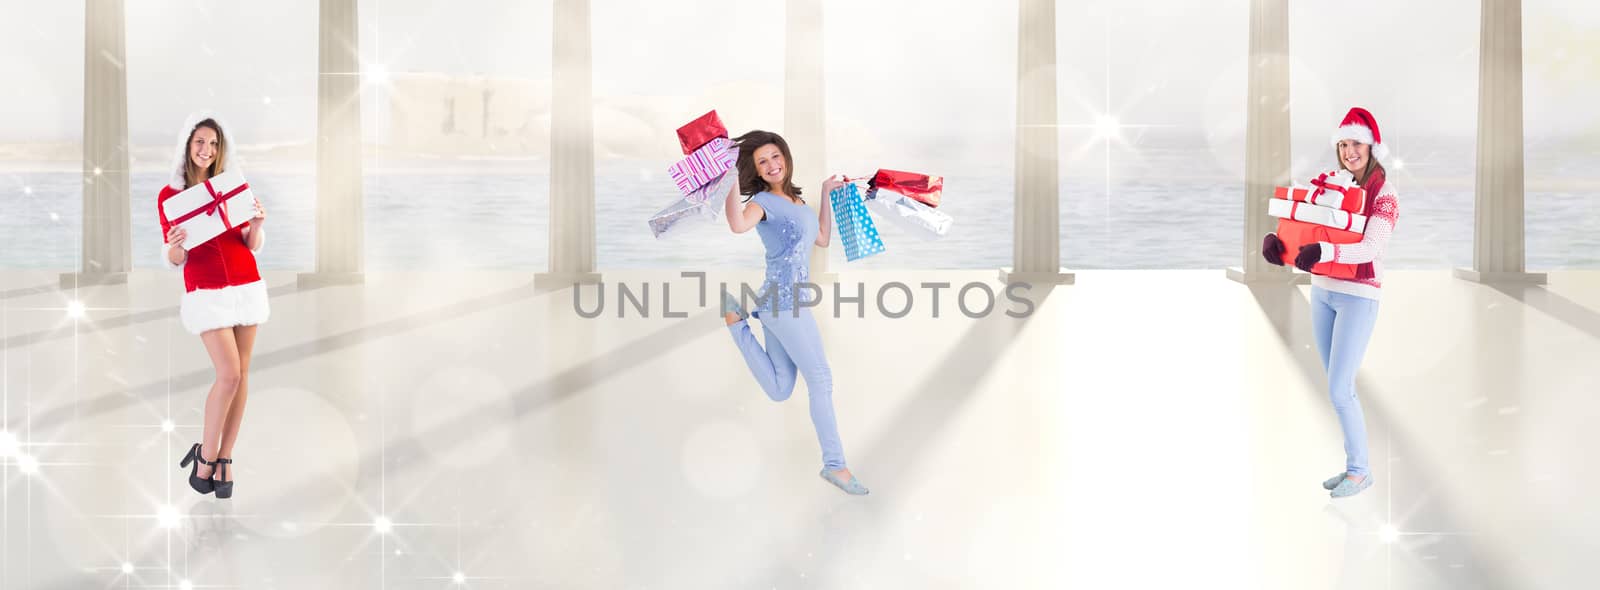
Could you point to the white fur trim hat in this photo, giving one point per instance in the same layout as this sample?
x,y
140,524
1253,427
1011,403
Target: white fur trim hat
x,y
1360,125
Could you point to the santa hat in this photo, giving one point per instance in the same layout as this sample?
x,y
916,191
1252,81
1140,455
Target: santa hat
x,y
1359,125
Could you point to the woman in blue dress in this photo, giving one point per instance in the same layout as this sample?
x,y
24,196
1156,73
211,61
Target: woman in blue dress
x,y
788,228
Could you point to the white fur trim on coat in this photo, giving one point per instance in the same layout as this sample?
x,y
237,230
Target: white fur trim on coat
x,y
204,310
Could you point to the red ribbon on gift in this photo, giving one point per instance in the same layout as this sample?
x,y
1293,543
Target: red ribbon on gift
x,y
1349,220
216,206
922,187
1323,186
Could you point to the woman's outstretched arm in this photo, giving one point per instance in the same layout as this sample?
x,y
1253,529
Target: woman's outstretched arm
x,y
741,216
825,211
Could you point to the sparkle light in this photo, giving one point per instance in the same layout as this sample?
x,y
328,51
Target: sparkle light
x,y
1105,127
382,525
266,100
168,426
127,568
27,190
1388,533
27,464
76,310
8,443
96,170
459,578
167,517
1399,163
185,585
377,73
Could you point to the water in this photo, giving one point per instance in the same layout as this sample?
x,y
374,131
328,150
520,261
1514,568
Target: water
x,y
1162,207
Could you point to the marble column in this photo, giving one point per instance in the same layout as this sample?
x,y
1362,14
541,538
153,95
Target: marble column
x,y
1036,235
1498,243
1266,156
341,238
572,219
804,111
106,248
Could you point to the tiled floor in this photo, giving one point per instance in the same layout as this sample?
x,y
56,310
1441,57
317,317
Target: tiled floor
x,y
1140,429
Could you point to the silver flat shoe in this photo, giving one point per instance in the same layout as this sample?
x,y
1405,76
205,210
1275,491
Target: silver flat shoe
x,y
1349,487
852,487
1333,482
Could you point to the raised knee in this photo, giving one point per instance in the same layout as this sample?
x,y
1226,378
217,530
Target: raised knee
x,y
781,392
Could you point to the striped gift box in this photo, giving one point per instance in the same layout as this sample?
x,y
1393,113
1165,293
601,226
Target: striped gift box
x,y
705,164
856,231
1327,216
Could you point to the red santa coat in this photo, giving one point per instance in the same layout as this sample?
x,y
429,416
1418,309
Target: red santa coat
x,y
222,285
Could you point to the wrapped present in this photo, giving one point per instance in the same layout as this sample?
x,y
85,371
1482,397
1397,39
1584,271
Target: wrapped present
x,y
706,163
705,205
1352,200
856,231
208,209
1337,189
921,220
921,187
1295,234
719,186
1328,216
700,132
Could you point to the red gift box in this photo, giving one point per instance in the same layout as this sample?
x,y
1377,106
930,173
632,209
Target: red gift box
x,y
1295,234
1351,199
922,187
700,132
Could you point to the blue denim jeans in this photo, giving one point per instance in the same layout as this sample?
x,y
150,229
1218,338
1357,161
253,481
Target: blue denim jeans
x,y
794,346
1343,325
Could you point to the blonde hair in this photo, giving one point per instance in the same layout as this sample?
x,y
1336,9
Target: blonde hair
x,y
193,175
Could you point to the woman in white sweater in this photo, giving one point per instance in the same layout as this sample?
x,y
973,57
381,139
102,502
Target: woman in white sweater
x,y
1343,311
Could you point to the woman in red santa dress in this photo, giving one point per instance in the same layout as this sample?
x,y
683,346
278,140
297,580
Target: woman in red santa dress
x,y
224,302
1345,310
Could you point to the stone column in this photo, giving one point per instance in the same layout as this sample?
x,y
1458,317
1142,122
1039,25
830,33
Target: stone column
x,y
572,221
341,236
1266,152
1498,253
106,256
804,108
1036,246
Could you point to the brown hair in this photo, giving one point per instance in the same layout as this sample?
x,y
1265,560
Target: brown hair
x,y
750,181
192,175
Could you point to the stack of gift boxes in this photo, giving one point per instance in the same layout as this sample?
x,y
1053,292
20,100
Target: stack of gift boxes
x,y
704,176
708,172
1332,209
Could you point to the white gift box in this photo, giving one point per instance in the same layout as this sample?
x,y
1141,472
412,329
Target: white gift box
x,y
208,209
1324,216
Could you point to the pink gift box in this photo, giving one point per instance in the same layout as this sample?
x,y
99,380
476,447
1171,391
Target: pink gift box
x,y
705,164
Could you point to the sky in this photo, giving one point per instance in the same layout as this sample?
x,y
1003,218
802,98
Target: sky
x,y
923,69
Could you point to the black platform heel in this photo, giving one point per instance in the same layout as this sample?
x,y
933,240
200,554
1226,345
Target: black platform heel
x,y
204,486
224,488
